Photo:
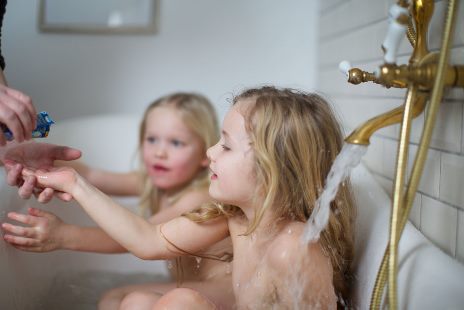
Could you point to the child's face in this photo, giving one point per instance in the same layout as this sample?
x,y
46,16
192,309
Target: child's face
x,y
232,162
172,153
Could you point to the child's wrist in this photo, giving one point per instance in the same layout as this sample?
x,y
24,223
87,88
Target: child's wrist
x,y
79,186
62,236
66,237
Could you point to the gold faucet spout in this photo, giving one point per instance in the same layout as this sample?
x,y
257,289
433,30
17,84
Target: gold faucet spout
x,y
363,133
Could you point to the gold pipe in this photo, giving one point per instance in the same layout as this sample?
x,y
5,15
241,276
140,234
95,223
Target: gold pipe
x,y
413,95
435,100
362,134
436,96
401,166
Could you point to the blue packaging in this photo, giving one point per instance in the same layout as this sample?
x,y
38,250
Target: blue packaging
x,y
44,121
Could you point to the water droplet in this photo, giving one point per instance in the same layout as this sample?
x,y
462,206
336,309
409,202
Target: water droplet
x,y
253,236
229,268
289,232
198,259
237,284
169,264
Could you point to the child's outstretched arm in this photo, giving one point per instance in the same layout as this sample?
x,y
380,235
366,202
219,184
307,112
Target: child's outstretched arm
x,y
140,237
44,232
111,183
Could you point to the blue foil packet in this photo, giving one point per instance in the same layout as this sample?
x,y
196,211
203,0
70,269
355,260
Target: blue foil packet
x,y
44,121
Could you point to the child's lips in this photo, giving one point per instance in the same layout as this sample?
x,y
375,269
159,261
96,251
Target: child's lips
x,y
160,168
213,175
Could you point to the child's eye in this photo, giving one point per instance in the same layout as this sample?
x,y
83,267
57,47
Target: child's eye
x,y
225,148
150,139
177,143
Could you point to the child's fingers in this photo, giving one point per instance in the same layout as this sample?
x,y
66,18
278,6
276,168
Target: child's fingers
x,y
27,189
20,241
25,248
64,196
20,230
39,174
23,218
46,195
38,212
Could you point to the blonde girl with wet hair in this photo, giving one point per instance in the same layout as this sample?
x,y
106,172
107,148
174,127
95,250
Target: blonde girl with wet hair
x,y
175,132
267,170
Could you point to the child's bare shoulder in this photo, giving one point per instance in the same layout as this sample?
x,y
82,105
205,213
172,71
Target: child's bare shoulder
x,y
288,249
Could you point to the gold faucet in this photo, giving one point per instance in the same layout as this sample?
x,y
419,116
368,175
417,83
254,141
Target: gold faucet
x,y
425,77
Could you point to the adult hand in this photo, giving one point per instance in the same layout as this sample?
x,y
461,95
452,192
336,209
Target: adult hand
x,y
43,233
35,156
17,113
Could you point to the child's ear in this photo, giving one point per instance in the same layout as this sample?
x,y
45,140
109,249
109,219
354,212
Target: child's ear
x,y
205,162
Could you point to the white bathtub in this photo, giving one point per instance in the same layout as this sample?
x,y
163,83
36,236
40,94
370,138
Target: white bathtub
x,y
428,278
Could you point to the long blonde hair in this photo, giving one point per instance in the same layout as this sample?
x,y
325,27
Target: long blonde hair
x,y
296,138
199,116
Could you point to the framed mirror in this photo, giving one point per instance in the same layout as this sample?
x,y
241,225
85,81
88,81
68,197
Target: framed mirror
x,y
98,17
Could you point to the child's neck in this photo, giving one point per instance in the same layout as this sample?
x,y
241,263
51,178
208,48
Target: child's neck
x,y
171,195
268,224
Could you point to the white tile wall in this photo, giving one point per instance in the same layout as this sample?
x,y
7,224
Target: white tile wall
x,y
374,156
452,179
447,133
439,223
438,209
430,180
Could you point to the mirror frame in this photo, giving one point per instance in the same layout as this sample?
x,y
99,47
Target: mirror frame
x,y
86,28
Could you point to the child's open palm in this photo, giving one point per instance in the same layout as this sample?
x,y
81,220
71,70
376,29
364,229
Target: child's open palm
x,y
41,235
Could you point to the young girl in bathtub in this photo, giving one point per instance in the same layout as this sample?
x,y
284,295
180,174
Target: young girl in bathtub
x,y
275,151
174,134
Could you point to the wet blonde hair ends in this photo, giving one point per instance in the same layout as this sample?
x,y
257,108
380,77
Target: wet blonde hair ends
x,y
199,116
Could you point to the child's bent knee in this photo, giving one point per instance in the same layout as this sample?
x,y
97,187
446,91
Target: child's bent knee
x,y
184,298
111,299
138,300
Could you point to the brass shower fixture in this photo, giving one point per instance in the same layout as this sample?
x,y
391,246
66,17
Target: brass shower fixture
x,y
425,77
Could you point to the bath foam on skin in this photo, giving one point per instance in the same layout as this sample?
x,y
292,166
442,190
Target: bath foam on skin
x,y
44,121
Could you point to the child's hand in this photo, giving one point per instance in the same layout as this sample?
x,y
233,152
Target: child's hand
x,y
43,233
61,179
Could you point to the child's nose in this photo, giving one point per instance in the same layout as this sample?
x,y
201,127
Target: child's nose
x,y
210,153
160,151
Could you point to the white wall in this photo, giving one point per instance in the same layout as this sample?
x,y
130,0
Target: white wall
x,y
210,46
438,210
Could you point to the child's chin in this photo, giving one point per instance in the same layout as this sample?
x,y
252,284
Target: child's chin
x,y
215,195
